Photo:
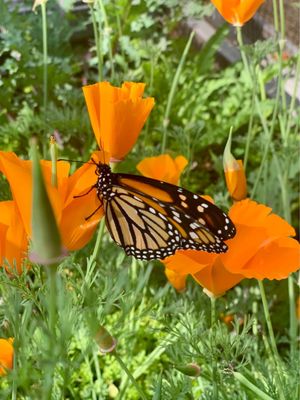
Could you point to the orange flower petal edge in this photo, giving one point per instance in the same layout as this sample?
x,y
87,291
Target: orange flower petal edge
x,y
70,212
261,249
216,278
178,281
6,355
117,115
163,167
15,244
19,175
237,12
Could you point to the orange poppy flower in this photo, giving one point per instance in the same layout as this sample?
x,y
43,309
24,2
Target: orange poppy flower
x,y
6,355
70,213
163,168
237,12
117,115
262,248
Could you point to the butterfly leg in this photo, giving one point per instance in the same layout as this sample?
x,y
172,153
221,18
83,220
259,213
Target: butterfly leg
x,y
82,195
94,212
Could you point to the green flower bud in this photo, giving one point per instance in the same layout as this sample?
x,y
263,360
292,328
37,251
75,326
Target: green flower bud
x,y
105,341
46,243
190,369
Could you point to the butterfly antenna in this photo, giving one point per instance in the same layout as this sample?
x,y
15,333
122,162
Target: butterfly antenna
x,y
76,161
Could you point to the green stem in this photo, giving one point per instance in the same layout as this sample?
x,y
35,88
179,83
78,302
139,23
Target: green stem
x,y
277,360
153,60
268,318
244,381
213,311
52,313
213,332
173,90
275,14
267,131
14,382
53,155
52,297
130,376
282,19
108,30
99,239
293,318
249,132
45,55
97,36
293,100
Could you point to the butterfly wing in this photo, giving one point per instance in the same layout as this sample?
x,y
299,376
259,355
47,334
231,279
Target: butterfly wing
x,y
200,209
150,222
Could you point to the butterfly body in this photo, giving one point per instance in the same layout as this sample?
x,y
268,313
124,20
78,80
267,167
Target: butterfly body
x,y
152,219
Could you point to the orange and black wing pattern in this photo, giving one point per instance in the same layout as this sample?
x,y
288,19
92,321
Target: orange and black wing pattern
x,y
151,219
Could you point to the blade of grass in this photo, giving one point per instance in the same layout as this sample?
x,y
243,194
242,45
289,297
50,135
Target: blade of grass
x,y
173,89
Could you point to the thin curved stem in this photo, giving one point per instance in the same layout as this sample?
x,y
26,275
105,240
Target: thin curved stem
x,y
277,360
129,374
173,90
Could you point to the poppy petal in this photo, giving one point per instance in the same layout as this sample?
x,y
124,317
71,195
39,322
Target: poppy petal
x,y
242,247
216,278
75,230
15,245
117,115
250,213
189,261
276,260
178,281
6,355
19,175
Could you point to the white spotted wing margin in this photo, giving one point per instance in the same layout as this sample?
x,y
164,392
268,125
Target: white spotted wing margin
x,y
149,228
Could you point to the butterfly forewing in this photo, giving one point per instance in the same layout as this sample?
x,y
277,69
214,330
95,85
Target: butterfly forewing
x,y
200,209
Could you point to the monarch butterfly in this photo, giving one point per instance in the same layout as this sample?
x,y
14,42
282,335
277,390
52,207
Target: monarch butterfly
x,y
151,219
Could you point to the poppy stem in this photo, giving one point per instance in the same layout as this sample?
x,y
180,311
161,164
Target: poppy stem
x,y
97,35
107,31
173,91
52,296
244,381
53,155
293,318
212,311
52,313
213,333
277,360
45,55
130,376
99,239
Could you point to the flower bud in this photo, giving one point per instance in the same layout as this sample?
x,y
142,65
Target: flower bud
x,y
105,341
191,369
234,174
46,243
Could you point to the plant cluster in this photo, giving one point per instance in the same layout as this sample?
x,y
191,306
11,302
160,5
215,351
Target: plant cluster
x,y
78,318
